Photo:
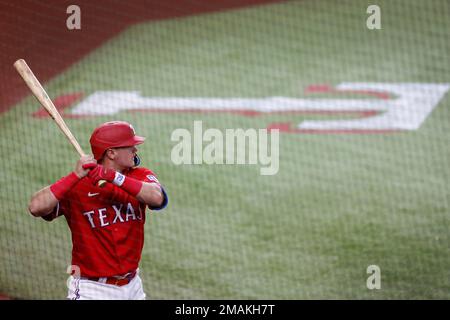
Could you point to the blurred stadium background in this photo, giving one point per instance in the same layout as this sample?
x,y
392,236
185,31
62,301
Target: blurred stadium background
x,y
341,201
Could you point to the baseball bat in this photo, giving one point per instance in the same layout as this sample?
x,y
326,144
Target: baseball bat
x,y
42,97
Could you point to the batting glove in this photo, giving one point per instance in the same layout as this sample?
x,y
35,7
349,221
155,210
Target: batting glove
x,y
101,173
89,165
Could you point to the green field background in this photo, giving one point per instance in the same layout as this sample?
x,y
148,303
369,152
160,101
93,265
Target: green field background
x,y
338,204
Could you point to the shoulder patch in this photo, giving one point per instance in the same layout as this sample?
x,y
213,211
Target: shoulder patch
x,y
152,178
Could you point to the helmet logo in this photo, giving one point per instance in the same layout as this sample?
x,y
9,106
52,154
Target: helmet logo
x,y
132,129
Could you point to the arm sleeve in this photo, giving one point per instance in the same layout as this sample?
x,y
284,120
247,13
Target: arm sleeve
x,y
57,211
164,203
150,177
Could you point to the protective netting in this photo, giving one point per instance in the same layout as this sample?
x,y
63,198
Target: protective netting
x,y
349,201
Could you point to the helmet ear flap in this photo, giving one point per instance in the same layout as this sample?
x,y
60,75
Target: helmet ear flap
x,y
137,160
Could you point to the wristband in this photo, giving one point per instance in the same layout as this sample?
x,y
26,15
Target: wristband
x,y
118,179
63,185
130,185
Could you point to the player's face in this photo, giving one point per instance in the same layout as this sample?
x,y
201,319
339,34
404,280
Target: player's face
x,y
125,156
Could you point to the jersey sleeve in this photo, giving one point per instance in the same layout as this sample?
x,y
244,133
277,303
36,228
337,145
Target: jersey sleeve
x,y
147,175
57,211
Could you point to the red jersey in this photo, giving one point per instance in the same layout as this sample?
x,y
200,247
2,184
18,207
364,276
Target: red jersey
x,y
107,225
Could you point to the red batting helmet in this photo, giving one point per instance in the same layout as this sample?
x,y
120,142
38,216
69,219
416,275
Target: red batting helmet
x,y
113,134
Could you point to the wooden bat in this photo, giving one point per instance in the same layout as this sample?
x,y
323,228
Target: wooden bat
x,y
42,97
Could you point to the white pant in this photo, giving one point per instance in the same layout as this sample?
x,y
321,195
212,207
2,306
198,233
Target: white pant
x,y
83,289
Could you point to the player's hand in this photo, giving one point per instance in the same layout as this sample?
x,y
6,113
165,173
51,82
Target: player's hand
x,y
101,173
86,163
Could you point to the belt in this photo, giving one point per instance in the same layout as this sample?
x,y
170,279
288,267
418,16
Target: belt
x,y
115,280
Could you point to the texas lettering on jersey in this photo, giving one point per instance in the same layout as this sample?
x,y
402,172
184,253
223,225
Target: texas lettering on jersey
x,y
101,215
107,225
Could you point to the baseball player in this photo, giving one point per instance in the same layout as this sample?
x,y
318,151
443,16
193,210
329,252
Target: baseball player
x,y
104,201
